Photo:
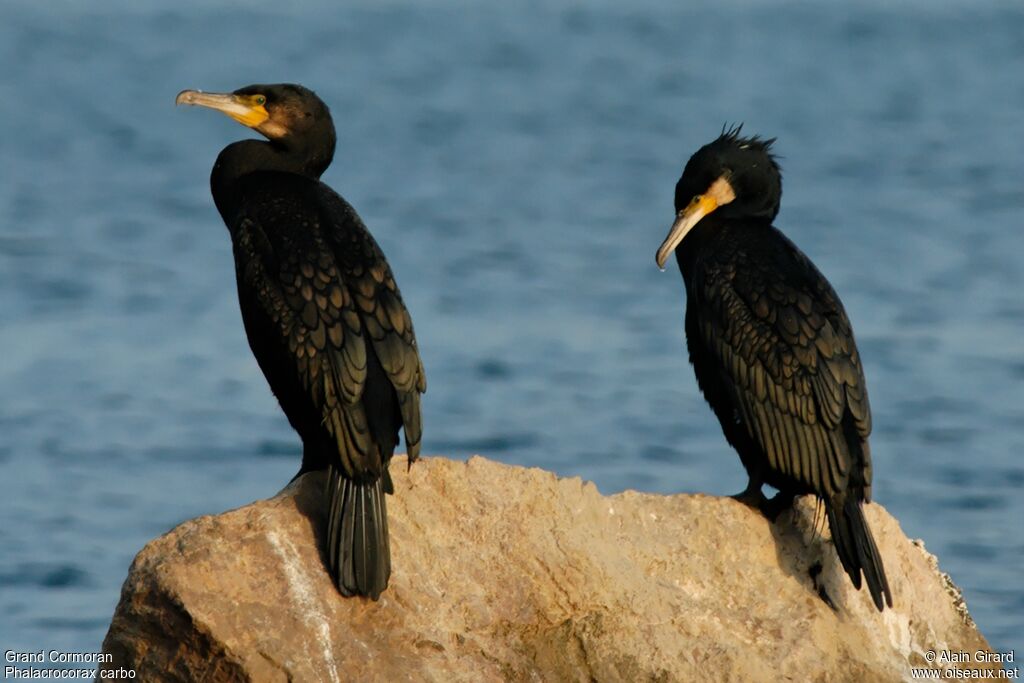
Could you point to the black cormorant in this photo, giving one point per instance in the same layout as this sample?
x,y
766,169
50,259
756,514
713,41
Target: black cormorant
x,y
323,315
772,347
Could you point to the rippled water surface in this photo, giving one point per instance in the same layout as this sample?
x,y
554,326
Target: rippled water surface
x,y
517,166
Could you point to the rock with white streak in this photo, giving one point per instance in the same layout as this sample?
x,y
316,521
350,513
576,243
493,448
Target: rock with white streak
x,y
506,573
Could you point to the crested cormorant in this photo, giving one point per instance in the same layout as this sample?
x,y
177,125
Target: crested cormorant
x,y
772,347
323,315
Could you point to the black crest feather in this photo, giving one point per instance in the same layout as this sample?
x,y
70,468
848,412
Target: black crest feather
x,y
731,133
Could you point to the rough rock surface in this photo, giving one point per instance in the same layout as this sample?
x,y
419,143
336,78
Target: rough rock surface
x,y
506,573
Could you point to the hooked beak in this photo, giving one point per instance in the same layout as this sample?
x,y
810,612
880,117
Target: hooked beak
x,y
719,193
701,206
242,108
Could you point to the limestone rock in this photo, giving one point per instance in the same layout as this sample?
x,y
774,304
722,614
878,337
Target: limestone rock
x,y
506,573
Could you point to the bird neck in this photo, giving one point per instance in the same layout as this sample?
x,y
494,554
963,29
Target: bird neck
x,y
715,233
245,157
694,245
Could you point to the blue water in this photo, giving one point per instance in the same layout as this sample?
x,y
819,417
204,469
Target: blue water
x,y
517,166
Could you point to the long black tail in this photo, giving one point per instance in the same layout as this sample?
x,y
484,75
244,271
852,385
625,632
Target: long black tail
x,y
358,550
856,547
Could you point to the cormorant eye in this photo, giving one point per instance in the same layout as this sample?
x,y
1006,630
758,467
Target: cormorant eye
x,y
261,100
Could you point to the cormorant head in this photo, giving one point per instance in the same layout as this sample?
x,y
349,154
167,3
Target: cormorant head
x,y
732,176
288,115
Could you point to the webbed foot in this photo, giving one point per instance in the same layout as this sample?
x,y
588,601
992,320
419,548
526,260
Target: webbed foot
x,y
778,504
815,572
752,496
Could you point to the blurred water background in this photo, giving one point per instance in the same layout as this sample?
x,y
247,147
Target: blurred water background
x,y
516,162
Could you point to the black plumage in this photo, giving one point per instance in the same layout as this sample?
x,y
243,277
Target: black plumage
x,y
323,315
772,347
